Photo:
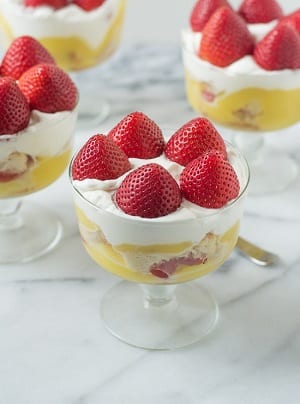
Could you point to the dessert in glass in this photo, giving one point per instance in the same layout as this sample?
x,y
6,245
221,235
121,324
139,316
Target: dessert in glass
x,y
80,34
159,215
38,111
242,71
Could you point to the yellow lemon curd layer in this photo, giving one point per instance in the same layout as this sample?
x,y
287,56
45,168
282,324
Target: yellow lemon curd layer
x,y
44,171
253,109
111,258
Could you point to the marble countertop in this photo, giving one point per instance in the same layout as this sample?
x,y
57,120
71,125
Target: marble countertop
x,y
54,349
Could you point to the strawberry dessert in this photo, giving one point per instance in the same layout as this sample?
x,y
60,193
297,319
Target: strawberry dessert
x,y
157,210
38,113
78,33
242,66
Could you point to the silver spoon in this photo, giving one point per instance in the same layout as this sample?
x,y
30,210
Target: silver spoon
x,y
255,253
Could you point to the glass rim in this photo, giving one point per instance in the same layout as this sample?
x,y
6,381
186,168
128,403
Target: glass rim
x,y
138,219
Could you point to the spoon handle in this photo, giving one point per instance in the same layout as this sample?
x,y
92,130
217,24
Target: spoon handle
x,y
255,253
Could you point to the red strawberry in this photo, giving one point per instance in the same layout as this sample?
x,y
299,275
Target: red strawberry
x,y
23,53
293,20
209,181
51,3
100,158
88,5
225,38
202,11
260,11
164,269
193,139
14,108
279,49
138,136
48,88
148,191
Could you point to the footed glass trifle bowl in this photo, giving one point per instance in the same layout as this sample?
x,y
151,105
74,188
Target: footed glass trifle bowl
x,y
137,220
38,114
242,70
79,34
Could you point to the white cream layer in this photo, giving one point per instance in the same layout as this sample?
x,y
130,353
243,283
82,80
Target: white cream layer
x,y
46,135
41,22
188,223
243,73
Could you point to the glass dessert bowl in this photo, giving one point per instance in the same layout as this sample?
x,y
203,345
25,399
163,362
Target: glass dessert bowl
x,y
157,252
36,133
78,37
252,92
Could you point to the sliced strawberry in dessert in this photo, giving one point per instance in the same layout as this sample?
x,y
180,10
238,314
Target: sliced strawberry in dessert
x,y
293,20
51,3
48,88
192,140
138,136
209,181
202,11
100,158
225,38
165,269
260,11
148,191
14,108
279,49
88,5
23,53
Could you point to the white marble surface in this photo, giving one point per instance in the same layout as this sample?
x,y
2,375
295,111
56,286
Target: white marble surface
x,y
54,349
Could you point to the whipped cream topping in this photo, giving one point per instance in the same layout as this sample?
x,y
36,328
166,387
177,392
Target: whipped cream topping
x,y
44,21
242,73
46,135
189,222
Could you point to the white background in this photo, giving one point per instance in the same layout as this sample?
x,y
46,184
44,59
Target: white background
x,y
162,20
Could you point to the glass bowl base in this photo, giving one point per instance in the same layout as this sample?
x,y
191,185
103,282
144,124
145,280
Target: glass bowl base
x,y
91,114
273,172
35,232
159,317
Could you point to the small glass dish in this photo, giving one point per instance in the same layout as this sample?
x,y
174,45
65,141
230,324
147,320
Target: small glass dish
x,y
163,256
31,160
